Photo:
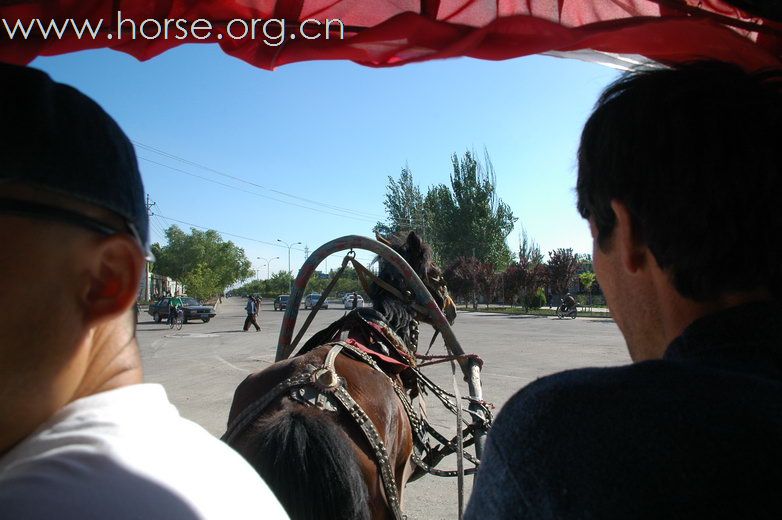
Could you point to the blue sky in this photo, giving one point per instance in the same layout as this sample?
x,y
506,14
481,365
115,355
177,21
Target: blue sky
x,y
332,132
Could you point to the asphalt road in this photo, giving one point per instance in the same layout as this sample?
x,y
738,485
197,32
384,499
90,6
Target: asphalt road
x,y
201,365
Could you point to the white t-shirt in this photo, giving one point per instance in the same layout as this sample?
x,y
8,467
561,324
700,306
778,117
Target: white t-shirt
x,y
128,454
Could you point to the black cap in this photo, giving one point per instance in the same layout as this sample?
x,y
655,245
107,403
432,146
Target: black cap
x,y
55,137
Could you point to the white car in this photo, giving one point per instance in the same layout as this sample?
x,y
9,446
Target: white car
x,y
349,301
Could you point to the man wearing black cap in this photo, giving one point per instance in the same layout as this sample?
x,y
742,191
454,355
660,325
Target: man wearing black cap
x,y
80,435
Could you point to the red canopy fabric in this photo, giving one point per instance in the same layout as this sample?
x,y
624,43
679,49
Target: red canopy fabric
x,y
382,33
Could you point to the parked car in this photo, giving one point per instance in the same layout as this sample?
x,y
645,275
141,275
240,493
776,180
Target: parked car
x,y
312,299
193,310
349,301
281,302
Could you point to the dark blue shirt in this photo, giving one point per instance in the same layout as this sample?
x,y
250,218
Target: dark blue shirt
x,y
697,434
250,307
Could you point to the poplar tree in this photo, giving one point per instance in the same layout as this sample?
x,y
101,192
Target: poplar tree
x,y
201,260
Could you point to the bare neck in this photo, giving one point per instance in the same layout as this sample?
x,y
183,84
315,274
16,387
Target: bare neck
x,y
102,359
114,361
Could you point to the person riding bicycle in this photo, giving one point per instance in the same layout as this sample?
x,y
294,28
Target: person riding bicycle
x,y
568,302
174,304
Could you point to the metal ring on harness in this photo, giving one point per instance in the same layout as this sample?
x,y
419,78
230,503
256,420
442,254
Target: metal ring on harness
x,y
325,378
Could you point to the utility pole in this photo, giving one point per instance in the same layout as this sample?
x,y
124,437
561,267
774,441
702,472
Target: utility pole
x,y
149,204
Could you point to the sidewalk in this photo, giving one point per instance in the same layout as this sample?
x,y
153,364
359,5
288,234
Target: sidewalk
x,y
584,312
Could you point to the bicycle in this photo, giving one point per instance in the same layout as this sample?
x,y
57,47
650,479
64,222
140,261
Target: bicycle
x,y
563,311
178,320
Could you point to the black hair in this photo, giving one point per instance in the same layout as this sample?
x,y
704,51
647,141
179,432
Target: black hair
x,y
305,458
694,153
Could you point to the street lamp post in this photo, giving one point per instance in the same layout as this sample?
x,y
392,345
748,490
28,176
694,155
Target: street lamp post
x,y
289,246
268,261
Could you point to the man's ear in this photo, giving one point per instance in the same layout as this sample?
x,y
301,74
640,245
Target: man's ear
x,y
632,252
115,266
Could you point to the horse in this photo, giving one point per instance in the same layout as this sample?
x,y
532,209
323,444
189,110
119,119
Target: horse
x,y
331,429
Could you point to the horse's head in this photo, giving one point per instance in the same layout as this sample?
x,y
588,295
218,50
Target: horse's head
x,y
419,255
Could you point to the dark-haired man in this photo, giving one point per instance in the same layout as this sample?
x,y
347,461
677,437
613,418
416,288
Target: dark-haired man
x,y
80,435
252,311
675,168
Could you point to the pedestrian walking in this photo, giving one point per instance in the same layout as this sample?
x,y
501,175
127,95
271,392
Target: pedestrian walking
x,y
252,311
355,299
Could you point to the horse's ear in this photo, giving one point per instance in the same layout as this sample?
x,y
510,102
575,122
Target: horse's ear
x,y
383,240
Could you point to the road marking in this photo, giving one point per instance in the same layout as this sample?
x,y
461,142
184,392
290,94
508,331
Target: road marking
x,y
497,374
231,364
192,335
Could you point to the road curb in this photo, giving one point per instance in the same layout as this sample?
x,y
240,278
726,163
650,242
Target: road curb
x,y
605,316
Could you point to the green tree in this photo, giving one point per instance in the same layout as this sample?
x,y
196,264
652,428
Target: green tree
x,y
529,250
587,280
348,283
279,283
468,218
317,284
404,205
201,260
252,287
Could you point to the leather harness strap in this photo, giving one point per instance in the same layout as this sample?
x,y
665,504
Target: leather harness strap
x,y
363,421
378,447
326,380
251,412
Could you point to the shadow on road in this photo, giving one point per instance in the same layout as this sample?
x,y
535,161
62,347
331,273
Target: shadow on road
x,y
480,315
608,321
